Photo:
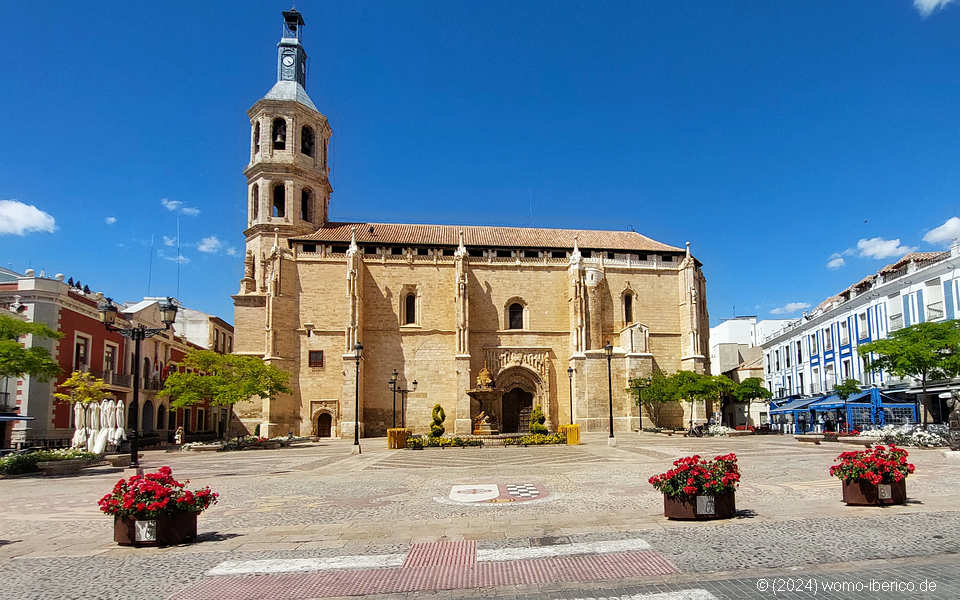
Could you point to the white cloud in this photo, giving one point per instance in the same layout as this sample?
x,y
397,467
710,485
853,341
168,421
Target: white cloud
x,y
177,259
789,308
210,245
836,261
110,220
880,248
926,7
231,251
169,241
19,218
170,205
944,234
177,206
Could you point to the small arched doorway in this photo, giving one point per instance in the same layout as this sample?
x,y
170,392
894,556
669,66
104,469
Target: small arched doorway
x,y
161,418
517,405
147,420
324,425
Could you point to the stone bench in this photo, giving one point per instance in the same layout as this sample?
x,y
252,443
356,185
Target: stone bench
x,y
857,441
814,438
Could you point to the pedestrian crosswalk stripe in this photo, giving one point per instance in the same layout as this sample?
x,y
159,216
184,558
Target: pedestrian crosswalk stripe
x,y
519,553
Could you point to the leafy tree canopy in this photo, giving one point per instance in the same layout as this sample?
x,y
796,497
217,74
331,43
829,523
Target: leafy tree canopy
x,y
224,379
923,351
847,388
17,361
83,388
751,388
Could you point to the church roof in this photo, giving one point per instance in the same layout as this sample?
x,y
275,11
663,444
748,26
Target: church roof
x,y
483,235
290,90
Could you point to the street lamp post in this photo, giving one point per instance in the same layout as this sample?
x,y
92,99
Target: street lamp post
x,y
108,316
393,386
357,351
403,401
570,376
608,349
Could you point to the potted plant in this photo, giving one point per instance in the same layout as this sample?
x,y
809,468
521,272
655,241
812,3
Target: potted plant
x,y
155,509
874,476
696,488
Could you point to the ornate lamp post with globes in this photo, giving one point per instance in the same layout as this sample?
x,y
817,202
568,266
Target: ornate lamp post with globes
x,y
393,387
570,378
357,352
108,316
403,401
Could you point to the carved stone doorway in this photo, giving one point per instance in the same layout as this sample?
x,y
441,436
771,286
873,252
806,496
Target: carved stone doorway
x,y
324,425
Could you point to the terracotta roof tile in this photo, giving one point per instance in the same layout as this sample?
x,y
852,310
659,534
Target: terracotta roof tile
x,y
489,236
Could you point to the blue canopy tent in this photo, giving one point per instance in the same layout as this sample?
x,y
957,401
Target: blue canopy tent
x,y
869,408
792,416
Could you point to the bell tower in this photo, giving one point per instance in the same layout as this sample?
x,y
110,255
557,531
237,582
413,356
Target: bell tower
x,y
288,188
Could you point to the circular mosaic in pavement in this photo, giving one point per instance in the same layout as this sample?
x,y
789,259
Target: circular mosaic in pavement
x,y
494,493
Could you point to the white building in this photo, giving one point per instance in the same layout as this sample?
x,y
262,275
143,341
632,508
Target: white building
x,y
810,355
729,340
205,330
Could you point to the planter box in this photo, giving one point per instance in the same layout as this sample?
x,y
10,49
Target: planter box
x,y
573,434
813,437
166,530
864,493
723,506
738,433
67,467
397,437
120,460
865,442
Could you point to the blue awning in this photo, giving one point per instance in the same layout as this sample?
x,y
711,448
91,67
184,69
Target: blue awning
x,y
793,405
835,401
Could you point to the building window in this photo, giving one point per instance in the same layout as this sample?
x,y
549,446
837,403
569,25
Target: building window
x,y
309,247
515,316
279,201
306,140
279,134
786,356
895,310
255,209
844,333
81,353
306,200
410,309
776,355
475,252
315,358
201,420
815,384
531,254
323,149
800,389
110,359
814,348
186,420
628,308
845,366
828,339
829,376
864,326
768,363
504,253
256,138
558,254
799,352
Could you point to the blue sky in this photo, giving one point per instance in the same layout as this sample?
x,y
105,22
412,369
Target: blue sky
x,y
778,137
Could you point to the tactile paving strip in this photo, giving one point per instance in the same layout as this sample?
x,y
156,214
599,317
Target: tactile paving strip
x,y
439,554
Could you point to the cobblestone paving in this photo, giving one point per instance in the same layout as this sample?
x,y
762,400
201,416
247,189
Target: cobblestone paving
x,y
320,501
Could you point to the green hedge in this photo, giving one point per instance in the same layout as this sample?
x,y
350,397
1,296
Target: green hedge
x,y
537,439
419,441
14,464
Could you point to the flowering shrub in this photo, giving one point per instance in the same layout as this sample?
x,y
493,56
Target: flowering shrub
x,y
694,476
15,464
909,435
718,430
145,497
878,465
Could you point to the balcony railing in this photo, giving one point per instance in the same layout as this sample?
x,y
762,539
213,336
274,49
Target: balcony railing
x,y
113,379
7,403
152,383
935,311
896,322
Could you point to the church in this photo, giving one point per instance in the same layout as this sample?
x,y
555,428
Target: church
x,y
378,322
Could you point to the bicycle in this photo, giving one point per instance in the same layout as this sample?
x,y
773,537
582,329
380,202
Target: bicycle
x,y
697,431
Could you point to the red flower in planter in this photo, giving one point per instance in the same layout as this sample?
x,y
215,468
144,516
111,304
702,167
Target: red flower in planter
x,y
145,497
875,466
695,476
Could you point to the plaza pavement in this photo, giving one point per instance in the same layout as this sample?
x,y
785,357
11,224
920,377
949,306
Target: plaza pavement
x,y
322,505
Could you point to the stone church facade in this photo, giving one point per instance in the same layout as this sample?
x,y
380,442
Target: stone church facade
x,y
438,303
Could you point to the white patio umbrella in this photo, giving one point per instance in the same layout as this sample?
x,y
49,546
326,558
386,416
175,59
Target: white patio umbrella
x,y
120,432
80,422
103,436
108,419
93,425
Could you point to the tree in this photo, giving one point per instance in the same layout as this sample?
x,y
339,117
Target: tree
x,y
83,388
721,388
925,351
17,361
750,389
223,379
654,393
694,386
847,388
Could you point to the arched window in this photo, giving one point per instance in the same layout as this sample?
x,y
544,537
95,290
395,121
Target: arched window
x,y
256,201
628,308
279,200
515,316
323,150
410,309
146,370
279,134
256,138
306,202
306,140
